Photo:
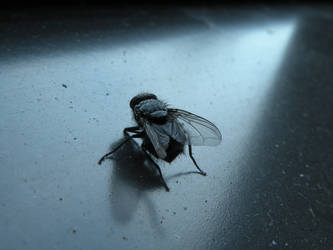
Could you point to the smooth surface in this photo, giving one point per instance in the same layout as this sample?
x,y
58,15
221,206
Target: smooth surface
x,y
263,76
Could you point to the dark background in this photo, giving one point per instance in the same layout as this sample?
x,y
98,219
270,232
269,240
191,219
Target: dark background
x,y
262,73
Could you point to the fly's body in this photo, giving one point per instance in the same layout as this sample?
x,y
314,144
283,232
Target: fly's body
x,y
165,131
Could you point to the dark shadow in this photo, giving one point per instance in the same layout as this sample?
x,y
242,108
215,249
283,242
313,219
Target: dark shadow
x,y
181,174
133,175
38,32
130,165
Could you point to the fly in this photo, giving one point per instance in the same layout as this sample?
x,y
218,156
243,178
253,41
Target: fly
x,y
166,131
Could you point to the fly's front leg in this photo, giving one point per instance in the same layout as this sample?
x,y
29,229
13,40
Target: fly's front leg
x,y
157,166
137,134
135,130
195,163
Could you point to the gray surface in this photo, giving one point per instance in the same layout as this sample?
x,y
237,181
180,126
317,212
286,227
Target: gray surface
x,y
223,65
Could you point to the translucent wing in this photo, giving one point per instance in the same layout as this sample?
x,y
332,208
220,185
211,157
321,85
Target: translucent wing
x,y
198,130
171,128
159,140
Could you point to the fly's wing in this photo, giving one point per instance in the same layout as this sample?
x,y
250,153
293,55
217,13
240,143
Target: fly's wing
x,y
159,140
198,130
171,128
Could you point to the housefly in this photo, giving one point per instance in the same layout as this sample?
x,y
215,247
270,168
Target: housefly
x,y
165,131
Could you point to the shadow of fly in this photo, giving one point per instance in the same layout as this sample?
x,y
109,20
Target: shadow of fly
x,y
166,131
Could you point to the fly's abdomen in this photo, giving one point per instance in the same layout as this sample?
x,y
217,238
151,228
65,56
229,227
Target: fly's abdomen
x,y
175,148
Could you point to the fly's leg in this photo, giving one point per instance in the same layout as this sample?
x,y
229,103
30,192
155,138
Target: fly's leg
x,y
138,134
158,168
135,130
195,163
114,150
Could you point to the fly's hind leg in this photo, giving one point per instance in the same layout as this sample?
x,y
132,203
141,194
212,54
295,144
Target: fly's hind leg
x,y
157,166
195,163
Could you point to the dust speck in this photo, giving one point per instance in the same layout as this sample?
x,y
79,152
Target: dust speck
x,y
274,243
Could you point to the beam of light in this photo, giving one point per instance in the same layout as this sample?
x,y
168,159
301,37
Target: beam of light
x,y
259,53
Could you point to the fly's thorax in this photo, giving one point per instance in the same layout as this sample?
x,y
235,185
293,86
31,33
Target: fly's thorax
x,y
151,109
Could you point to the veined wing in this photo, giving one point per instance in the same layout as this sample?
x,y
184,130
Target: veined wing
x,y
159,140
198,130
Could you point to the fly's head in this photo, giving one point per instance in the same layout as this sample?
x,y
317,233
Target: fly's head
x,y
141,97
136,100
